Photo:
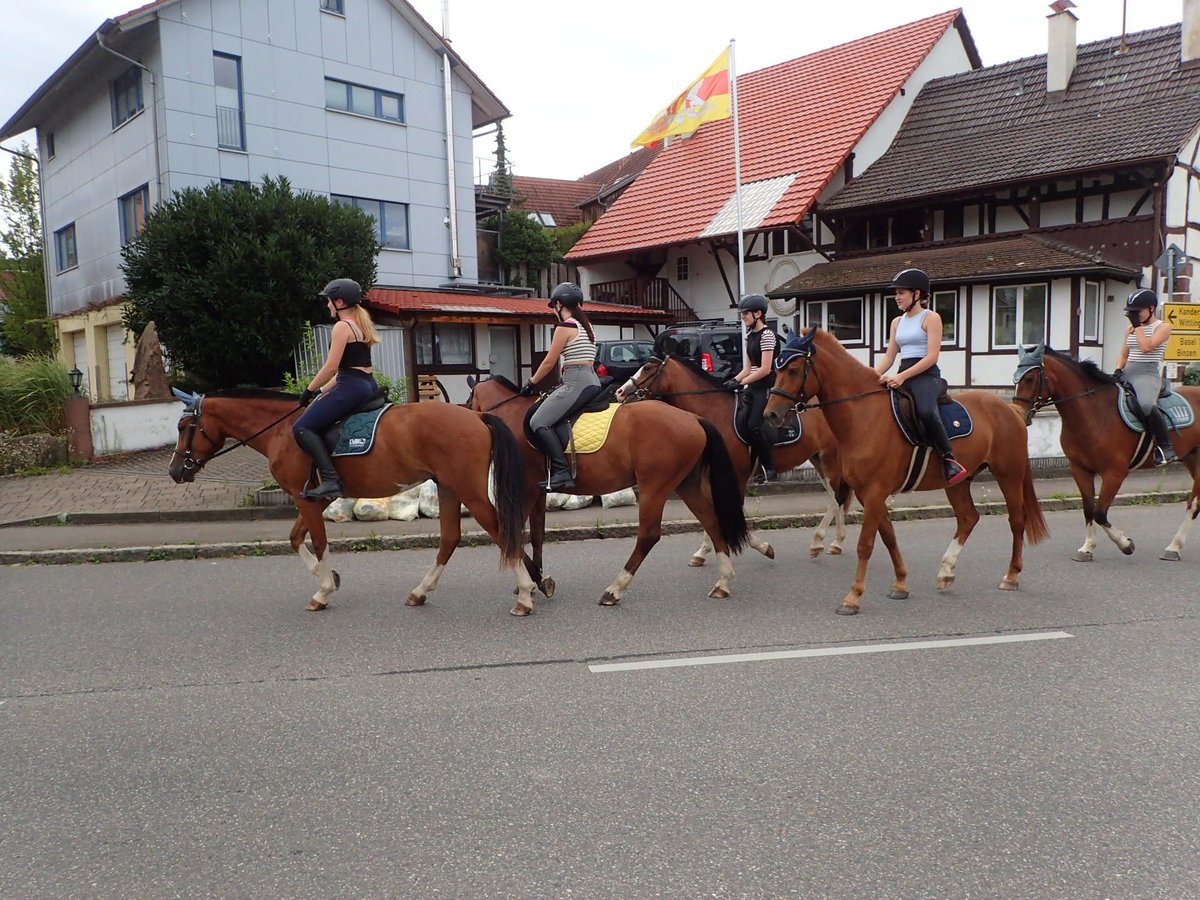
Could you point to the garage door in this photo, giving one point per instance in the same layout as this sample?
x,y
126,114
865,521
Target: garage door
x,y
118,385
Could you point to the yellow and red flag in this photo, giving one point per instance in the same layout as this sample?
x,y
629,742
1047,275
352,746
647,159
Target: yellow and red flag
x,y
706,99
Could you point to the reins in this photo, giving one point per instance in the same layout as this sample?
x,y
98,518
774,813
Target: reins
x,y
190,461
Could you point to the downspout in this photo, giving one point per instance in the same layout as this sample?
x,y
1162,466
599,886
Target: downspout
x,y
153,110
452,187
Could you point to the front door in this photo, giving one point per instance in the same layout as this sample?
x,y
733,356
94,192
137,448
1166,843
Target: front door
x,y
503,359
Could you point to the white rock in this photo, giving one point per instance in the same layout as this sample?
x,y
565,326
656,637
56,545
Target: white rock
x,y
625,497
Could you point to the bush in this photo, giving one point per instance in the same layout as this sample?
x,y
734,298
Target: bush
x,y
33,390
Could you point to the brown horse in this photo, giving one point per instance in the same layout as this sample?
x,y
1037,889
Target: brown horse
x,y
414,442
1097,442
659,448
875,455
679,382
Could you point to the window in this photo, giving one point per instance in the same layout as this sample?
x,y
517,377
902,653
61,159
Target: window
x,y
782,242
65,253
945,304
391,217
363,100
126,96
440,344
681,268
133,208
49,145
1089,319
952,222
231,120
544,219
1019,312
842,318
334,6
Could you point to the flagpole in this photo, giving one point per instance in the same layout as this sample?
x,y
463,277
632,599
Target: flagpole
x,y
737,191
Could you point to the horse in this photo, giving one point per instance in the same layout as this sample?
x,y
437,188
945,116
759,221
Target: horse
x,y
413,442
1097,442
659,448
876,456
680,382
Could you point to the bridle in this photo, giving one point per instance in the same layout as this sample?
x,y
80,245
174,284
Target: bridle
x,y
642,390
1041,393
800,398
190,462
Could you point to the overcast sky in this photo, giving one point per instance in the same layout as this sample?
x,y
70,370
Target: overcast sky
x,y
583,78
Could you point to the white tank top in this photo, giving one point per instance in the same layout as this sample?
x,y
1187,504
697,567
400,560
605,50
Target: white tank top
x,y
580,348
1137,355
913,341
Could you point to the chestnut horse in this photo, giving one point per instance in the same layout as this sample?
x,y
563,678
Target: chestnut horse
x,y
875,455
413,443
659,448
1097,442
680,382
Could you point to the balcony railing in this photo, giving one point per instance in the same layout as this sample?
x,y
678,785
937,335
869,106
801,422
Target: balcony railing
x,y
231,132
645,293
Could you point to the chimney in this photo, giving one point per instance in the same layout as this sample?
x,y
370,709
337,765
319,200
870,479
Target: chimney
x,y
1190,54
1060,52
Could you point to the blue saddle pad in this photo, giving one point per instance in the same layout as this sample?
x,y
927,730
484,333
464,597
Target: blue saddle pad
x,y
358,432
1178,411
780,436
954,416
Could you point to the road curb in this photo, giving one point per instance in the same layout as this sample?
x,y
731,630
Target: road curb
x,y
480,538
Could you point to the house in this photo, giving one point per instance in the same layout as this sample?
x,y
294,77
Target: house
x,y
1037,193
806,127
347,98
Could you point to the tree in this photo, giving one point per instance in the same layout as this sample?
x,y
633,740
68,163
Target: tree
x,y
229,275
502,183
25,326
524,247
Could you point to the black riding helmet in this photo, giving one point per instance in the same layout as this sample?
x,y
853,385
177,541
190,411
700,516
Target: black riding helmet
x,y
913,279
1143,298
568,294
753,303
347,290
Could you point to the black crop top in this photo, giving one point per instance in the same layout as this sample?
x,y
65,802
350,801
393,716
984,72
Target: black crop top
x,y
356,355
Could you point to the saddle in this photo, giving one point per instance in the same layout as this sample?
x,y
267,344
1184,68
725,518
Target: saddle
x,y
354,435
955,417
1175,408
592,399
780,436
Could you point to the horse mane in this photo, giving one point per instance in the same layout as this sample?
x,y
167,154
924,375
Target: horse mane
x,y
504,382
698,370
254,394
1086,368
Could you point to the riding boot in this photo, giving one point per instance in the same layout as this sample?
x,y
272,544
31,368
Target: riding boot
x,y
953,470
313,444
560,473
766,459
1162,436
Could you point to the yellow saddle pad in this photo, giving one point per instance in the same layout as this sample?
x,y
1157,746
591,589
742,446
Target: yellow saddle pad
x,y
591,430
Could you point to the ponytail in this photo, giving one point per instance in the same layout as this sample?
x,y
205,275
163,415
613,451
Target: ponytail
x,y
583,320
362,318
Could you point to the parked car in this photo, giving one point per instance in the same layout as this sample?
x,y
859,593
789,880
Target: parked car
x,y
713,343
621,359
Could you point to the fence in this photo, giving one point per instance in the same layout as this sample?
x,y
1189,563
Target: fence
x,y
387,356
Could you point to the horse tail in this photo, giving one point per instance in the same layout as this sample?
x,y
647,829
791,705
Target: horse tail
x,y
509,488
726,496
1036,529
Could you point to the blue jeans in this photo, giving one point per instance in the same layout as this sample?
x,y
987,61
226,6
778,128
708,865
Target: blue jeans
x,y
350,390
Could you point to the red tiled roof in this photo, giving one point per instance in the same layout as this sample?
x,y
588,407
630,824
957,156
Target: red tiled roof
x,y
428,304
621,171
799,119
553,195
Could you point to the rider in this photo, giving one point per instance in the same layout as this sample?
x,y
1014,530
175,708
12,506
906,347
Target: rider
x,y
1141,363
574,343
757,376
350,360
916,336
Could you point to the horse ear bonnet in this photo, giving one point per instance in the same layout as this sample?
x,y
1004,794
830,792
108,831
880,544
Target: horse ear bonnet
x,y
796,345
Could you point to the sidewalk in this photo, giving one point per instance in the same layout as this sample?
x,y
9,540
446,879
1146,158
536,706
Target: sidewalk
x,y
130,509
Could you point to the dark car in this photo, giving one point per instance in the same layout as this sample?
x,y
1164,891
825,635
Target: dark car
x,y
621,359
713,343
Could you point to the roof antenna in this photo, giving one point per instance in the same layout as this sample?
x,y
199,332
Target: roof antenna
x,y
1124,10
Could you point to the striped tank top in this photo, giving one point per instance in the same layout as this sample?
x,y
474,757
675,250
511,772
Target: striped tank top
x,y
1137,355
580,348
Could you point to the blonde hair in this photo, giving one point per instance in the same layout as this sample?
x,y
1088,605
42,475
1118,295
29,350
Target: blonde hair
x,y
362,319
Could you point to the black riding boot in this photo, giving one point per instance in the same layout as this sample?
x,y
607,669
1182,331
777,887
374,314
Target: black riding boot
x,y
313,444
766,459
560,473
1162,435
952,470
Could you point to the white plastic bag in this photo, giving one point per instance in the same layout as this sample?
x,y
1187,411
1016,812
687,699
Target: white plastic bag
x,y
555,500
428,502
341,510
578,501
624,497
371,510
404,506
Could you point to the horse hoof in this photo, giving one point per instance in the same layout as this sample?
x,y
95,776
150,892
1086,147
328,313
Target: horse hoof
x,y
414,600
337,580
1171,555
1128,551
696,562
607,599
943,583
845,610
1006,585
769,553
834,550
895,594
814,552
547,587
1083,556
315,606
718,593
521,611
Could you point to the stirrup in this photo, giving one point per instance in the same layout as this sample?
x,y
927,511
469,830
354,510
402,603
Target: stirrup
x,y
1161,458
329,489
953,471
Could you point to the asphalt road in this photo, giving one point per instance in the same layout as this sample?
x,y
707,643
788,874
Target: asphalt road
x,y
185,729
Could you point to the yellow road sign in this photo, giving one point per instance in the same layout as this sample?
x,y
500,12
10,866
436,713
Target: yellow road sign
x,y
1183,345
1182,316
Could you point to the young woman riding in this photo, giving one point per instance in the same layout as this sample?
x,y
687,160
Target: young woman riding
x,y
574,343
916,336
350,360
757,376
1141,362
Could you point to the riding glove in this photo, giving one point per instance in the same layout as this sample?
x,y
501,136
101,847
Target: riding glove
x,y
528,390
1134,316
732,384
307,397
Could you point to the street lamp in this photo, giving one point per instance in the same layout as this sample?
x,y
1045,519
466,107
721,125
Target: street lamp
x,y
76,380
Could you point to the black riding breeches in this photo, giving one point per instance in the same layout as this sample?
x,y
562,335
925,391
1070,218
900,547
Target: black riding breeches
x,y
925,389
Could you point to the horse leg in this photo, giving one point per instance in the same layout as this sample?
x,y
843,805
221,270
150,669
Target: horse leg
x,y
485,514
701,555
967,516
1086,482
1110,483
650,511
536,504
696,500
1192,510
874,513
1013,489
887,531
309,522
832,510
449,534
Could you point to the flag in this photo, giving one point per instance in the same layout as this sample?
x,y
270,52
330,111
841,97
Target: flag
x,y
704,100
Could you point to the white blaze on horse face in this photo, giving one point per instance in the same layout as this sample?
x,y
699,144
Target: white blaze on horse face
x,y
628,387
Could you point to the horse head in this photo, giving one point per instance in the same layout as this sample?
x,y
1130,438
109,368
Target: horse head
x,y
793,366
194,446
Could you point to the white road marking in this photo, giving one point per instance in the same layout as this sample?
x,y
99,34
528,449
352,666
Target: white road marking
x,y
826,651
